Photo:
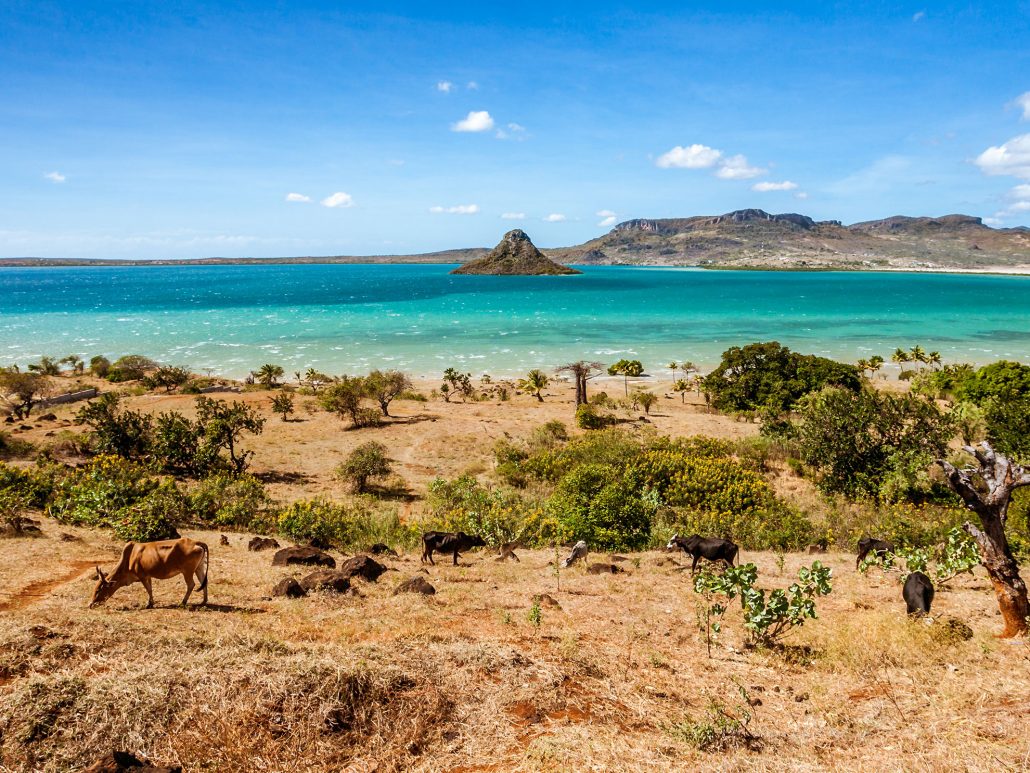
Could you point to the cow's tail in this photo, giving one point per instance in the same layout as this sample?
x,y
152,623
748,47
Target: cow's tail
x,y
207,566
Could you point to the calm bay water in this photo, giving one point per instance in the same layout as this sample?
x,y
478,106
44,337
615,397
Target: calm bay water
x,y
350,318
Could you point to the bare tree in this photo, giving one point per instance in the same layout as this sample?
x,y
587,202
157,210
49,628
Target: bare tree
x,y
582,371
987,491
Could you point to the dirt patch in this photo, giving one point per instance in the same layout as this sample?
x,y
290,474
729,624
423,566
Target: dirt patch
x,y
33,592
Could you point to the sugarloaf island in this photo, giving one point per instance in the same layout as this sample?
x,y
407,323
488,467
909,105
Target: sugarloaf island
x,y
515,255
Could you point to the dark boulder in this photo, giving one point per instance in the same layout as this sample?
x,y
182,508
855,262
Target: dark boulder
x,y
262,543
603,569
289,588
379,549
415,585
362,566
337,582
303,556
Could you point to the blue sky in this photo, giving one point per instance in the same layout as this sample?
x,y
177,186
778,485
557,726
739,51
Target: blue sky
x,y
180,129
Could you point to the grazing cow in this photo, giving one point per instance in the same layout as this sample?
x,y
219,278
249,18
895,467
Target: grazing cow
x,y
711,548
918,593
878,547
579,551
145,561
452,542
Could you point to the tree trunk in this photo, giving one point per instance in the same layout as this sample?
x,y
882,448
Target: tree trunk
x,y
1001,477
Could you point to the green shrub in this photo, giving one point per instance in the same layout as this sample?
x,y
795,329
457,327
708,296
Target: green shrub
x,y
588,417
152,518
594,503
496,515
33,485
97,493
231,501
316,520
367,461
903,523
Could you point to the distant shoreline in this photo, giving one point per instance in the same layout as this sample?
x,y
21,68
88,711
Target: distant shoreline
x,y
43,263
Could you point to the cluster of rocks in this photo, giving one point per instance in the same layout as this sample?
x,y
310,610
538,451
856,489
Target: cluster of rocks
x,y
331,579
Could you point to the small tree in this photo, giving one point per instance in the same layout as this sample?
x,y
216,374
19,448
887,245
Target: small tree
x,y
167,376
122,433
47,366
21,391
582,371
268,375
682,386
131,367
223,427
645,400
369,460
626,368
99,366
987,490
455,382
344,397
534,382
673,366
75,362
282,404
315,380
384,386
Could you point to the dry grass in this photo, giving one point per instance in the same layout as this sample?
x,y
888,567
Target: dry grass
x,y
464,681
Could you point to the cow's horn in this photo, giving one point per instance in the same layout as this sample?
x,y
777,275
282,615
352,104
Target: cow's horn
x,y
100,573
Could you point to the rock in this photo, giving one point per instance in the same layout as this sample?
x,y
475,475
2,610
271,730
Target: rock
x,y
546,600
362,566
289,588
515,255
122,762
303,556
603,569
66,537
262,543
338,582
379,549
813,549
21,527
47,417
415,585
223,540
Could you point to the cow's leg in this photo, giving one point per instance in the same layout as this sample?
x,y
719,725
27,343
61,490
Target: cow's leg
x,y
188,577
693,566
455,557
430,554
200,579
150,592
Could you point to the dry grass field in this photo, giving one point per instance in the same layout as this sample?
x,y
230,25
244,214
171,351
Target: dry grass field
x,y
610,679
614,676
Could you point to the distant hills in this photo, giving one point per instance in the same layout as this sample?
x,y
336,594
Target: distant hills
x,y
515,255
746,238
755,238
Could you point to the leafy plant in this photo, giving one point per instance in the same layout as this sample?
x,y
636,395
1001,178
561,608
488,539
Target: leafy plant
x,y
769,616
282,404
367,461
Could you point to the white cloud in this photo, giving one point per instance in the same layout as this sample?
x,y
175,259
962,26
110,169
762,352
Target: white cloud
x,y
692,157
605,213
1023,102
919,16
801,195
1011,158
55,177
299,197
766,186
514,131
555,217
1020,191
472,86
992,221
460,209
339,200
445,86
513,216
737,168
1019,204
475,121
608,221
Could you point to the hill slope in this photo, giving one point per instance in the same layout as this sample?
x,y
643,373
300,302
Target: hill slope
x,y
514,255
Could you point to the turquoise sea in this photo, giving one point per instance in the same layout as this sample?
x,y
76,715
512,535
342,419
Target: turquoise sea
x,y
350,318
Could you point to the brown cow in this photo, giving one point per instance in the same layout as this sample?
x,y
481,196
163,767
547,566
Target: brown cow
x,y
146,561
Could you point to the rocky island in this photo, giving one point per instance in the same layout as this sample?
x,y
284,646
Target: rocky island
x,y
515,255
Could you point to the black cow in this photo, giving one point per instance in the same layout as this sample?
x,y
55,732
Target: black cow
x,y
878,547
918,593
448,542
712,548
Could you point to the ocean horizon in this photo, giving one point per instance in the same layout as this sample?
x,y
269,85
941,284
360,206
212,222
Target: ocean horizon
x,y
350,318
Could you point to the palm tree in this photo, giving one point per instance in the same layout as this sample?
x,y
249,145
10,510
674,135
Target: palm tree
x,y
918,354
900,356
673,366
76,363
862,365
269,375
934,358
875,363
688,367
535,381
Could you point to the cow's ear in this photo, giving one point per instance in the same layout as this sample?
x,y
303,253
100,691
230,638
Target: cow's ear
x,y
100,574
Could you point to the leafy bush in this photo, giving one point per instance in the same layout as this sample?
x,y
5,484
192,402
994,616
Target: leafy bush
x,y
230,501
903,523
131,367
316,520
768,618
125,433
98,493
775,526
870,443
152,518
367,461
588,417
34,486
596,504
770,376
496,515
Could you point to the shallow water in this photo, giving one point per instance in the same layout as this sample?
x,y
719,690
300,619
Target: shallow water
x,y
350,318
